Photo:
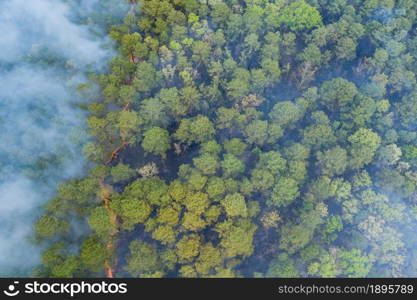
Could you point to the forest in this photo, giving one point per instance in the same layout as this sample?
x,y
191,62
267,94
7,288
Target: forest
x,y
240,138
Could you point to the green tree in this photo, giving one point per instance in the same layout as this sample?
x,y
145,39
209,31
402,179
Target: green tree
x,y
197,202
285,113
207,163
193,221
320,133
333,161
257,132
272,161
238,87
232,166
284,192
188,247
93,253
282,266
364,143
209,258
168,215
262,179
49,226
128,124
132,210
299,15
215,187
122,172
235,205
165,234
146,77
100,222
154,113
156,140
235,146
294,237
337,94
142,259
237,239
388,155
354,264
196,130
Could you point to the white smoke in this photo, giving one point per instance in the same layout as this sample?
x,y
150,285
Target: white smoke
x,y
39,121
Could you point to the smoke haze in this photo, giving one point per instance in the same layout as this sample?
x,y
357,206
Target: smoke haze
x,y
44,55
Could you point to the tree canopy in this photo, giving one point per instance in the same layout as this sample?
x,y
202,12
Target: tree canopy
x,y
246,138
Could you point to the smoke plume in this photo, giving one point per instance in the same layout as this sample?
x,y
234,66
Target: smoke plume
x,y
44,55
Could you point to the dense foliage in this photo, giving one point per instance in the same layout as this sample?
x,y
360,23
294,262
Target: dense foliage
x,y
248,138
